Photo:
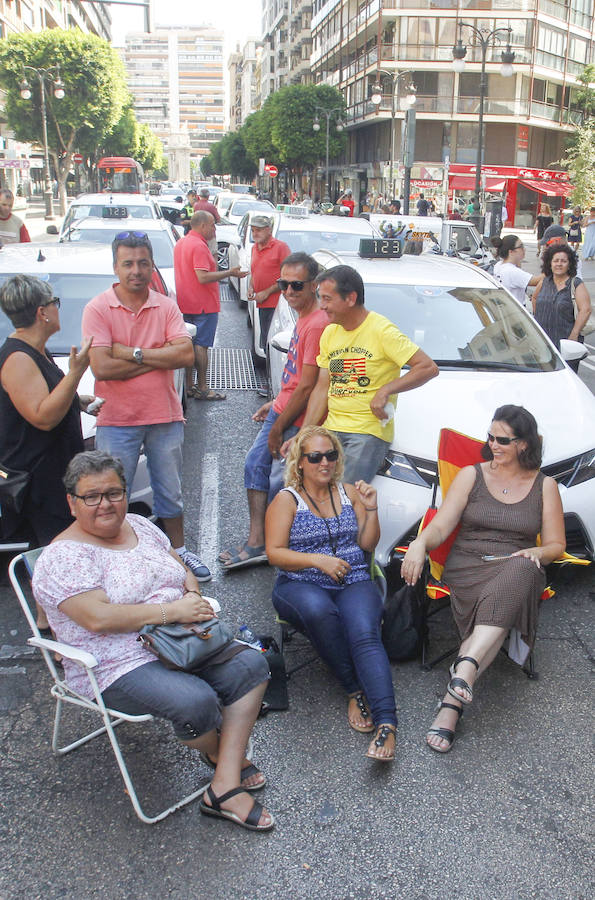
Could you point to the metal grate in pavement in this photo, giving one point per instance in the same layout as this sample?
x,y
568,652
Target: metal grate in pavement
x,y
226,293
233,369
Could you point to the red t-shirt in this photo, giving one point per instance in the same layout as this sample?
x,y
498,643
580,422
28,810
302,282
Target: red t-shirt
x,y
350,204
207,207
303,350
191,253
266,268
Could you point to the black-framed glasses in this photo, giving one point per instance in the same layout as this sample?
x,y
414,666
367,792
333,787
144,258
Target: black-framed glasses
x,y
317,456
294,285
114,495
503,441
139,235
54,300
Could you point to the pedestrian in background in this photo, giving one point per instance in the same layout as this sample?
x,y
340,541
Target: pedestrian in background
x,y
575,233
543,220
589,245
12,229
511,253
422,206
265,269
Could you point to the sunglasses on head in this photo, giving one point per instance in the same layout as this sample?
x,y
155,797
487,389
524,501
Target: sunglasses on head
x,y
124,235
294,285
316,456
503,441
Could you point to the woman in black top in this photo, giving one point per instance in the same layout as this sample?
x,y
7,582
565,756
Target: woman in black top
x,y
39,409
542,221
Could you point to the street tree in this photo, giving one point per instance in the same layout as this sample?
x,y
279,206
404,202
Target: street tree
x,y
585,95
294,109
234,158
579,160
95,92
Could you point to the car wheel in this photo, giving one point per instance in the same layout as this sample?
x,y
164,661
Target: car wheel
x,y
223,256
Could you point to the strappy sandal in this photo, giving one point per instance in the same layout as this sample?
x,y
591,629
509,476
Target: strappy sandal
x,y
246,772
460,682
250,822
382,735
447,734
365,714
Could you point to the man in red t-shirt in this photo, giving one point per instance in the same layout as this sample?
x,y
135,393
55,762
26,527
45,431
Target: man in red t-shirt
x,y
346,199
267,255
12,230
282,416
197,292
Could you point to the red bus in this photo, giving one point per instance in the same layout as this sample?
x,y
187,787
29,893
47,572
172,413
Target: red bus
x,y
120,175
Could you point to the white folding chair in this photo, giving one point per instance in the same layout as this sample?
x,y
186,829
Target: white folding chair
x,y
62,693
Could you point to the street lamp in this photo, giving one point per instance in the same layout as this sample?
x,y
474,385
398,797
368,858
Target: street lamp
x,y
316,127
376,98
52,74
459,51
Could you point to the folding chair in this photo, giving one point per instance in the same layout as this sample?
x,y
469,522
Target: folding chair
x,y
21,566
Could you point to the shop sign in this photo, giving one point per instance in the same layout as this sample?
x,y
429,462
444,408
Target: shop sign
x,y
14,164
523,137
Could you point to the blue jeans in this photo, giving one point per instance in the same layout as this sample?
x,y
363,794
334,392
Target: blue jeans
x,y
261,471
343,624
364,454
162,444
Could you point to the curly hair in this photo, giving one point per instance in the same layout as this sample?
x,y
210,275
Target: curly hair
x,y
550,252
523,425
293,471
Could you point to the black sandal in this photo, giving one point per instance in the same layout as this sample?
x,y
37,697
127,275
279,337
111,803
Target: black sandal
x,y
382,735
246,772
447,734
460,682
365,713
251,821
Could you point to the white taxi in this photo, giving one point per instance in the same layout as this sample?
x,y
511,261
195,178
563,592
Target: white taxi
x,y
110,207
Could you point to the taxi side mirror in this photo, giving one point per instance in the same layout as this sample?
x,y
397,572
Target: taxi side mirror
x,y
281,341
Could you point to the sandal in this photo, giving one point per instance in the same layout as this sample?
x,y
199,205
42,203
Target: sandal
x,y
382,735
207,395
254,557
460,682
364,711
246,772
447,734
252,820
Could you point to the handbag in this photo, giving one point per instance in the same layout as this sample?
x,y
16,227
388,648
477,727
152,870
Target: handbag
x,y
190,647
403,625
13,488
589,325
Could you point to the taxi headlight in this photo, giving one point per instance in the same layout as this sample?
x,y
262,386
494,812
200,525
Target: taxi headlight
x,y
584,470
406,468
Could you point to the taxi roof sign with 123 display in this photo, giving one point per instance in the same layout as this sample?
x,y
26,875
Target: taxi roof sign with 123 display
x,y
380,248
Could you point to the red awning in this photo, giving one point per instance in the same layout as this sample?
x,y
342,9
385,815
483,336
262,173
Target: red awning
x,y
467,183
550,188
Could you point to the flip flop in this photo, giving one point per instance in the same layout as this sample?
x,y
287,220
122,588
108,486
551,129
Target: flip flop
x,y
255,557
208,395
251,822
246,772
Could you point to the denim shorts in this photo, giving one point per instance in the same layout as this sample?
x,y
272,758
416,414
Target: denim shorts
x,y
364,454
192,703
261,471
206,326
162,444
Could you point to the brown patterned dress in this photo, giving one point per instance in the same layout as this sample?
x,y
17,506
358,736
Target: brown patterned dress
x,y
503,592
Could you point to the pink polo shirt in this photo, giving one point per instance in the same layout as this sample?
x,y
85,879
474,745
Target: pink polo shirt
x,y
192,253
151,398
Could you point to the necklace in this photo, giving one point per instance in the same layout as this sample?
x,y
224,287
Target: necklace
x,y
505,490
333,541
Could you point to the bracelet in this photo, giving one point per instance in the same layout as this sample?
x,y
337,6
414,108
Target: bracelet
x,y
370,508
164,620
198,593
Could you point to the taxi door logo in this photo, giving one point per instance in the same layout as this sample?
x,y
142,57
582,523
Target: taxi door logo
x,y
343,371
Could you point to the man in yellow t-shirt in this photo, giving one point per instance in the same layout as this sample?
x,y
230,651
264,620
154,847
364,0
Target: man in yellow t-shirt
x,y
360,361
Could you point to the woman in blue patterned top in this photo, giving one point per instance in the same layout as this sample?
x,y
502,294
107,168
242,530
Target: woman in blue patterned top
x,y
317,530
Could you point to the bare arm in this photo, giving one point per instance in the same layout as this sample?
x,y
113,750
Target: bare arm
x,y
92,610
535,280
583,311
106,368
205,277
28,390
296,405
365,506
173,355
553,536
317,409
421,369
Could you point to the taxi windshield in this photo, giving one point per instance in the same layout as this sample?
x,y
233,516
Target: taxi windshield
x,y
162,244
310,241
461,327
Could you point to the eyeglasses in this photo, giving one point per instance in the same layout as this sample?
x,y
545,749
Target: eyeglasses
x,y
316,457
124,235
54,300
503,441
519,247
294,285
114,495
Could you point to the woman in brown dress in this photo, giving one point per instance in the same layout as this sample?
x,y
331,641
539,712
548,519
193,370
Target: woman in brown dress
x,y
495,568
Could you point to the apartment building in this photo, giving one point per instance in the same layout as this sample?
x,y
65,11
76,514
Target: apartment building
x,y
527,115
287,44
175,75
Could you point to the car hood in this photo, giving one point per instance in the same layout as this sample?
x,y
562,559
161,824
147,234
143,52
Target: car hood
x,y
465,401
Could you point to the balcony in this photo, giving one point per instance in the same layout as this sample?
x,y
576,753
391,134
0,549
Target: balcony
x,y
470,106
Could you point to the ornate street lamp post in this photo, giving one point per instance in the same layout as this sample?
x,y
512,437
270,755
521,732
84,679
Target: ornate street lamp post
x,y
376,99
316,127
52,75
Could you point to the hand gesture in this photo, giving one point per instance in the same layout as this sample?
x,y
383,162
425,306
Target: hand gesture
x,y
261,413
236,272
286,447
78,361
336,568
367,494
191,607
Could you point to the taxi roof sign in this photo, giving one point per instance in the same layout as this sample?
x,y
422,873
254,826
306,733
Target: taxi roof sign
x,y
381,248
300,212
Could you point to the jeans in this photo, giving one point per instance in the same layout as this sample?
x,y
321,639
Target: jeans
x,y
261,472
343,624
364,454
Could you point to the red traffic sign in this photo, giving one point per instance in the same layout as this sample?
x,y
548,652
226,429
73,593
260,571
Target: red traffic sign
x,y
273,171
77,157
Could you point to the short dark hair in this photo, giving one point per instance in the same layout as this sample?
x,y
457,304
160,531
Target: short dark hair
x,y
549,253
347,280
21,296
299,258
505,245
91,462
131,240
524,426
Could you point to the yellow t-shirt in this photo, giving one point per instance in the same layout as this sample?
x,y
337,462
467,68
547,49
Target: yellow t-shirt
x,y
359,363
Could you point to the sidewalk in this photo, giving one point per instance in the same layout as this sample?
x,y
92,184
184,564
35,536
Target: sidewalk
x,y
532,263
34,218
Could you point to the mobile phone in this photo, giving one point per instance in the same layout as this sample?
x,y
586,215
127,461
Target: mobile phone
x,y
96,404
489,558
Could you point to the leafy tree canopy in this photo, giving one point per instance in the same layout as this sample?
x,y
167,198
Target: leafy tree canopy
x,y
580,162
586,94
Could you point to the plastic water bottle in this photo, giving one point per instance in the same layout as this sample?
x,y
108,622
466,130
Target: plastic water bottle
x,y
389,409
248,637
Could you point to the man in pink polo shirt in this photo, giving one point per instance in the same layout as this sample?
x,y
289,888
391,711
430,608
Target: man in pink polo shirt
x,y
139,338
267,255
197,292
204,204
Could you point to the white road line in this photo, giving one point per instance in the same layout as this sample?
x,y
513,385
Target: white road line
x,y
587,364
209,510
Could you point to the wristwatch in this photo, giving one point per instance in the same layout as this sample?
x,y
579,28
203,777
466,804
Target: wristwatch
x,y
137,355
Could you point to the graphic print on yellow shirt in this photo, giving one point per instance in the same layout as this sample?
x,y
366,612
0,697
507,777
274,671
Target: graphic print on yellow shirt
x,y
359,363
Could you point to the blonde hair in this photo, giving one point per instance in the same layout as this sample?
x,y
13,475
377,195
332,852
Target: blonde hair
x,y
293,472
545,209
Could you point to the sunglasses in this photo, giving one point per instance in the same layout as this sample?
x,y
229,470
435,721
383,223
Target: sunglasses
x,y
54,300
316,457
294,285
124,235
503,441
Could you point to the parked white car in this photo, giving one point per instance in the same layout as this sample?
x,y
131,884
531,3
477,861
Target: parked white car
x,y
490,351
115,208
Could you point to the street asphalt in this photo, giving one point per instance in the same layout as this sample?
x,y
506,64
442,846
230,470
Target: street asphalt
x,y
507,815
